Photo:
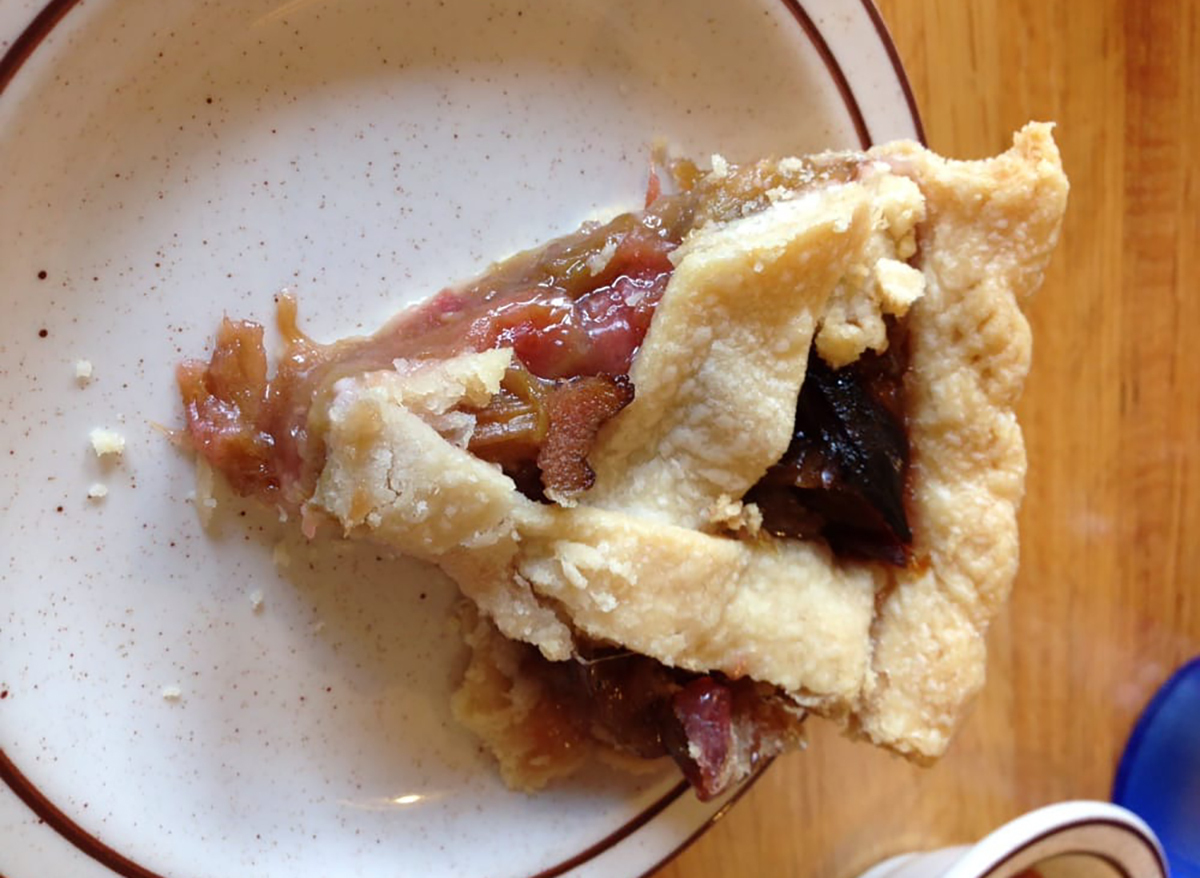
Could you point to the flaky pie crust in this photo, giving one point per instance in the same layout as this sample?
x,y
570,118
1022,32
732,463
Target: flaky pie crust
x,y
647,558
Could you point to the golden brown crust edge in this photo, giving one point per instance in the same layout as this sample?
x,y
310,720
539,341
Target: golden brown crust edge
x,y
992,226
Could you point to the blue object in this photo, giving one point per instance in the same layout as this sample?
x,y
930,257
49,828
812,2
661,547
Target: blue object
x,y
1159,774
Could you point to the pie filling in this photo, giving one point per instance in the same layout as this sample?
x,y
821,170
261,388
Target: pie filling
x,y
714,728
844,476
575,313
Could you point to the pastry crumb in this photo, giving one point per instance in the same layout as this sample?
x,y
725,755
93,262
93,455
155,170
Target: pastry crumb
x,y
733,516
97,492
256,600
172,693
83,371
107,442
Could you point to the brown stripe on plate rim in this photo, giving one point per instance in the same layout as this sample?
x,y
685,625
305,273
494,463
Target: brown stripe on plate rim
x,y
618,835
30,38
11,62
1079,824
65,826
712,819
833,68
889,46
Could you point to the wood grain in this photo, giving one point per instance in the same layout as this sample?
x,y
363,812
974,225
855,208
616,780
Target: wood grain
x,y
1107,603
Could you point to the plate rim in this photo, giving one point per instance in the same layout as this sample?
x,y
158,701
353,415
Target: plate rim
x,y
14,58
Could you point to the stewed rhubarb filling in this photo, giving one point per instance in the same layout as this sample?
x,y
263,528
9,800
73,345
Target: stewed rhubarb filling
x,y
715,728
575,313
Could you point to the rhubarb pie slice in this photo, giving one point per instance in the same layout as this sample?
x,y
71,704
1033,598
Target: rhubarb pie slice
x,y
746,454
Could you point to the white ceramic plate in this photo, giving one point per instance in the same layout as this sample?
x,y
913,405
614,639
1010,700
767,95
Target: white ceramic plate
x,y
162,164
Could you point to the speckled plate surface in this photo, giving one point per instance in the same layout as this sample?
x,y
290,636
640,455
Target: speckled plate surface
x,y
163,164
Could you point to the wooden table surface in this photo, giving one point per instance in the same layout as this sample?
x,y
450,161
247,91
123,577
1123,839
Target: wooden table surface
x,y
1107,602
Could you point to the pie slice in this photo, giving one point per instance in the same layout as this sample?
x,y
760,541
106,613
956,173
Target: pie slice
x,y
746,454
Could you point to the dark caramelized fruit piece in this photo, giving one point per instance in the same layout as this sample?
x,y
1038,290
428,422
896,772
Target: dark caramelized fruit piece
x,y
844,475
512,427
540,431
623,696
647,709
579,407
698,733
